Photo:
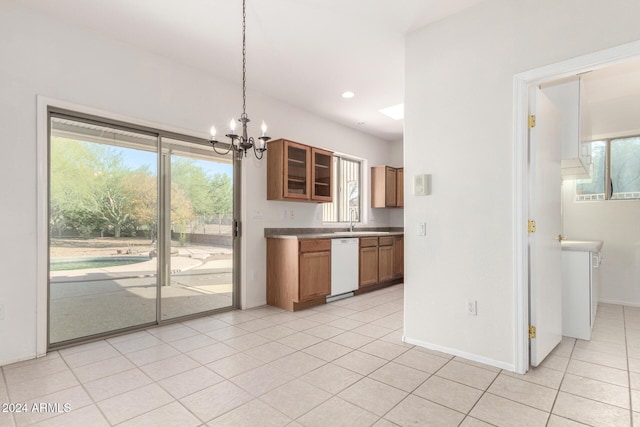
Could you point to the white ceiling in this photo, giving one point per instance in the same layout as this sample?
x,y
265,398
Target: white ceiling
x,y
303,52
613,99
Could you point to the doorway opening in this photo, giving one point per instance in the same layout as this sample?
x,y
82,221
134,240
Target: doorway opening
x,y
522,85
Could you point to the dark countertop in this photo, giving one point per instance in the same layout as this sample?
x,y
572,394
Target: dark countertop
x,y
329,233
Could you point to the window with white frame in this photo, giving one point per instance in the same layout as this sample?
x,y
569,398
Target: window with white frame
x,y
616,171
347,202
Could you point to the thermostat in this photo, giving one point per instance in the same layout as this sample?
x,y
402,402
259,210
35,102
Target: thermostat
x,y
422,185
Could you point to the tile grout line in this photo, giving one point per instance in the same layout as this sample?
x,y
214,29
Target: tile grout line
x,y
6,387
626,344
564,373
84,388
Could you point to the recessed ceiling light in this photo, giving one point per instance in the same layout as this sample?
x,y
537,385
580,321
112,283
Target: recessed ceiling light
x,y
360,123
348,94
396,112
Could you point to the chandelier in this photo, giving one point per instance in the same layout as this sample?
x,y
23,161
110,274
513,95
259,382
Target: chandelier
x,y
242,143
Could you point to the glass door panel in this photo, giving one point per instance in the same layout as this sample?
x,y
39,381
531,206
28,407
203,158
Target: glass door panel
x,y
103,216
199,260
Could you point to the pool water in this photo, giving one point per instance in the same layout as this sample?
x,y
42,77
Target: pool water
x,y
83,263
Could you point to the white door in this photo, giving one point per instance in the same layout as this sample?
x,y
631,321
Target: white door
x,y
545,261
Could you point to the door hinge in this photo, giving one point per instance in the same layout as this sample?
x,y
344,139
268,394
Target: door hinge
x,y
532,121
532,331
531,226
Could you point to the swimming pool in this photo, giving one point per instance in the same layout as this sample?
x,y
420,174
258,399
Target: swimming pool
x,y
98,262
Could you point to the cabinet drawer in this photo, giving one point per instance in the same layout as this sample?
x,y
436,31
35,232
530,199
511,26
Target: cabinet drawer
x,y
368,241
386,241
315,245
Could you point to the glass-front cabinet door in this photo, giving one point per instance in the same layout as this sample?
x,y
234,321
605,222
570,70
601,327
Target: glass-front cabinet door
x,y
296,170
322,172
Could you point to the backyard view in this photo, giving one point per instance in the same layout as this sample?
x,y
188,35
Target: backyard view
x,y
104,221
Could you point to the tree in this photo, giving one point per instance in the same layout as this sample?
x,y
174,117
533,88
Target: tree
x,y
221,195
143,188
75,170
193,181
181,210
93,190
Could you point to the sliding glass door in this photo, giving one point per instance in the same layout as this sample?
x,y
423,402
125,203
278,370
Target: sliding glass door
x,y
140,229
199,233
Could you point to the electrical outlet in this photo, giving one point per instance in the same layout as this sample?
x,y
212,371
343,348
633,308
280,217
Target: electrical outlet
x,y
292,214
472,307
1,311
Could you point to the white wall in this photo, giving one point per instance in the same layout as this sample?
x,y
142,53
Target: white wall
x,y
459,128
615,222
41,56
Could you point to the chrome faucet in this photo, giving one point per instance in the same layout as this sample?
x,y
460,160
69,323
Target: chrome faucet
x,y
351,220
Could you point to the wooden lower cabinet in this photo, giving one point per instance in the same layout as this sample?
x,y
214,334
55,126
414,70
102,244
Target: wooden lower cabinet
x,y
398,257
298,272
368,264
385,259
381,261
315,275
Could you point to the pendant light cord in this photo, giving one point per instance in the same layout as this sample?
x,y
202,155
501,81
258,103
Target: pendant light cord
x,y
244,60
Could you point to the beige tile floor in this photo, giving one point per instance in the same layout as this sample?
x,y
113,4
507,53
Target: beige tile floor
x,y
342,364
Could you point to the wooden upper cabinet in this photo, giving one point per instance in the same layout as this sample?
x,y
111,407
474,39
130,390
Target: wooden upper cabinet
x,y
292,173
386,189
390,186
321,175
400,187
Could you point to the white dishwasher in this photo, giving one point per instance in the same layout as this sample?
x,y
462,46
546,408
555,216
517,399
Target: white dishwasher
x,y
344,266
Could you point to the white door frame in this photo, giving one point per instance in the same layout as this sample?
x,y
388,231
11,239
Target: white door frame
x,y
521,84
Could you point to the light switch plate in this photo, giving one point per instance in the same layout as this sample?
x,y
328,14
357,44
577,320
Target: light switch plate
x,y
422,229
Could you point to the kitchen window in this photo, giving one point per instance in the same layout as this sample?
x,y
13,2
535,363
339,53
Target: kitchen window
x,y
616,171
347,203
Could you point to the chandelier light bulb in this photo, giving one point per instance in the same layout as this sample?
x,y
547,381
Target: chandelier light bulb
x,y
264,128
213,132
232,126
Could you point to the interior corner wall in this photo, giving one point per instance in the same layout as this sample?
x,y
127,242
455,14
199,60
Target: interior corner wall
x,y
44,56
459,128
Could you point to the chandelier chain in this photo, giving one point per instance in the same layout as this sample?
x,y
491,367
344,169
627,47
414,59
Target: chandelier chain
x,y
244,60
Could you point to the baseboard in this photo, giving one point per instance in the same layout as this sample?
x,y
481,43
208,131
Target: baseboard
x,y
473,357
627,303
20,359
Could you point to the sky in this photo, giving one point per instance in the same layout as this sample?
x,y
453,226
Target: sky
x,y
136,158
